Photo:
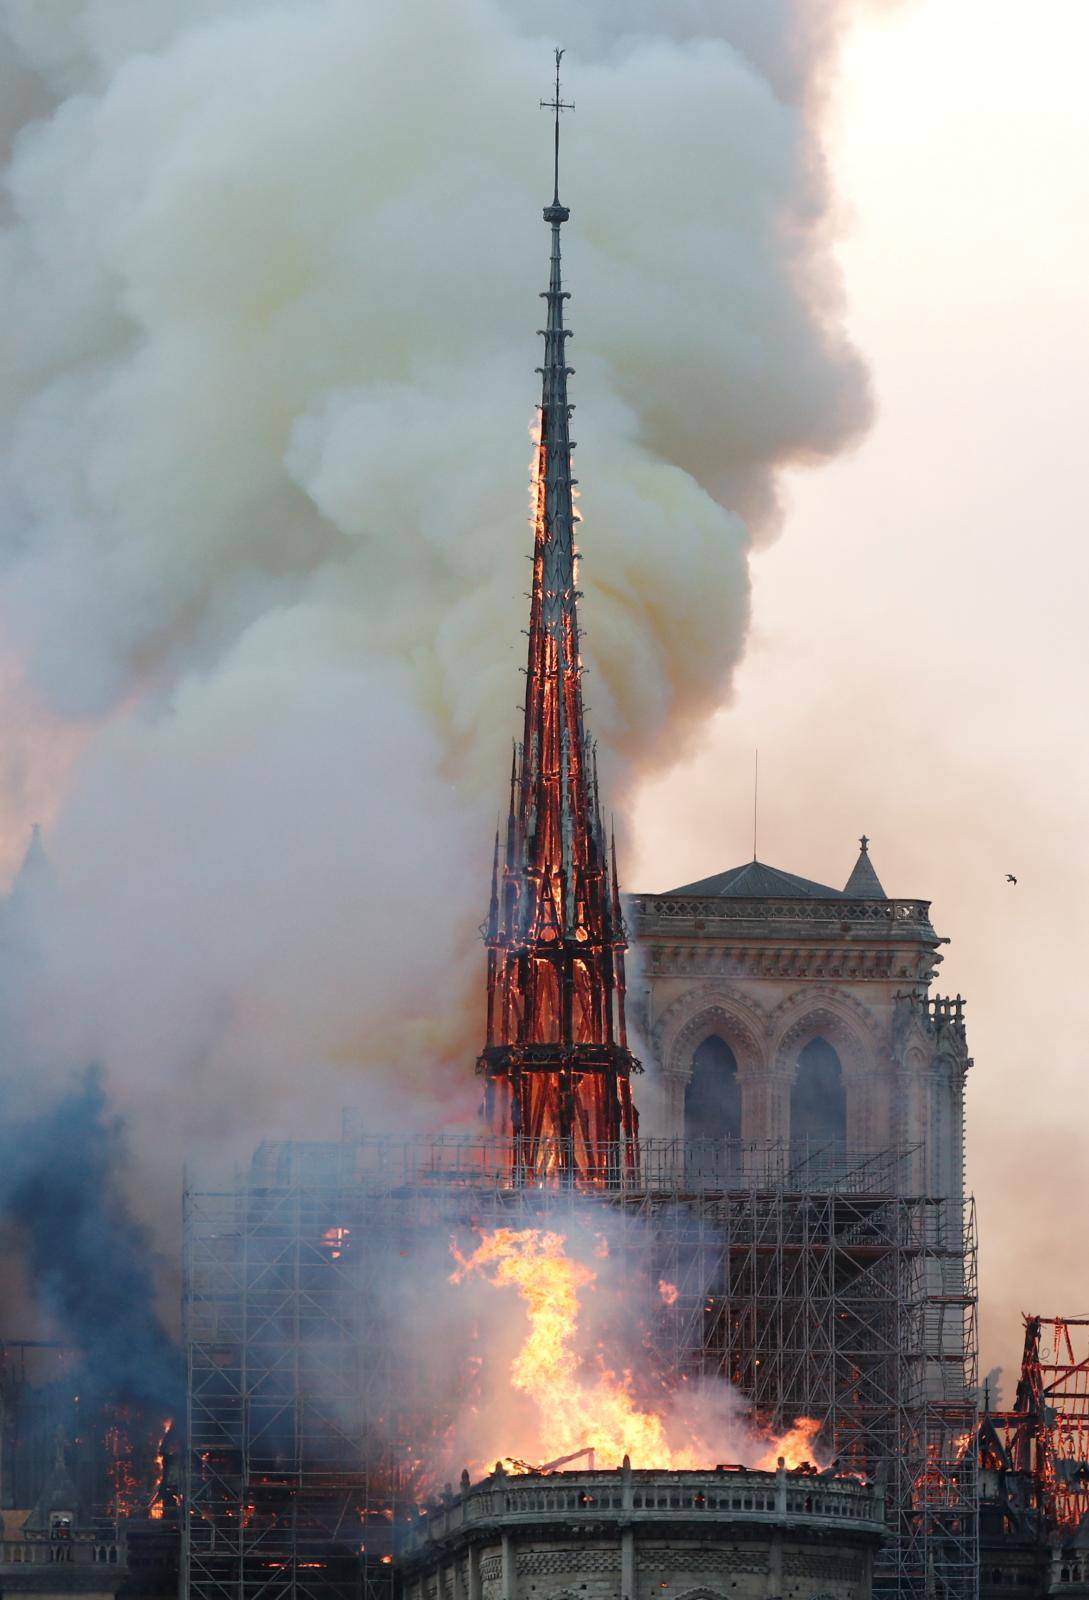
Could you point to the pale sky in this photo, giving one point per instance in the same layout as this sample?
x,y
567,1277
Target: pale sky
x,y
919,659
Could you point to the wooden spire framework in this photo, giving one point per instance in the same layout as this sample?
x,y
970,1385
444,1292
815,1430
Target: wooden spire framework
x,y
556,1063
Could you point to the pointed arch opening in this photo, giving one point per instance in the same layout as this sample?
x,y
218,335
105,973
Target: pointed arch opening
x,y
712,1097
818,1101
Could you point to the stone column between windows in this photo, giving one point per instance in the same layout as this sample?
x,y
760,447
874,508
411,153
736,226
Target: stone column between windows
x,y
775,1566
510,1569
627,1564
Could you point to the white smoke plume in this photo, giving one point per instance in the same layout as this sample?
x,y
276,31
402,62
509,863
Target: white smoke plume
x,y
270,271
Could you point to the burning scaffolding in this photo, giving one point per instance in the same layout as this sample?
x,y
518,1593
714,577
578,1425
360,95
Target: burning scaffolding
x,y
1035,1458
112,1450
313,1437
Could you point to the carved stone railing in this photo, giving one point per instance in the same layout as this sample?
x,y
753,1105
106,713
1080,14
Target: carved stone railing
x,y
901,916
75,1549
627,1496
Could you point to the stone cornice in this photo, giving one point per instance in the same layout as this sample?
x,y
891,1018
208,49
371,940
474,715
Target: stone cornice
x,y
838,962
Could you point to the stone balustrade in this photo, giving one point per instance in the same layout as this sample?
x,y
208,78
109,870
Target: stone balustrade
x,y
639,1535
905,915
725,1493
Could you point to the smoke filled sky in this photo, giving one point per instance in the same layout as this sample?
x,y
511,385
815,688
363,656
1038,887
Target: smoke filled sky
x,y
918,662
271,272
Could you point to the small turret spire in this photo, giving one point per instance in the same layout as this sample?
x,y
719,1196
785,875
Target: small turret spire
x,y
864,884
493,903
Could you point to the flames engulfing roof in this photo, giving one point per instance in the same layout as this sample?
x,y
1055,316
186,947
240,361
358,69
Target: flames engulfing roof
x,y
556,1058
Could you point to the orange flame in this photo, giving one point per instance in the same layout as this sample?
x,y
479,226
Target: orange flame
x,y
157,1509
535,470
586,1405
797,1446
120,1466
335,1241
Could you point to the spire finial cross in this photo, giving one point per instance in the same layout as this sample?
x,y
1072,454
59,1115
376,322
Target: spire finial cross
x,y
557,105
865,843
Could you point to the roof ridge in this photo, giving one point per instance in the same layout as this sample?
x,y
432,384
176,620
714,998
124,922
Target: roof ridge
x,y
758,881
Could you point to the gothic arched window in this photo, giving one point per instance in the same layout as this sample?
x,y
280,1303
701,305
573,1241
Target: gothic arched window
x,y
712,1100
818,1100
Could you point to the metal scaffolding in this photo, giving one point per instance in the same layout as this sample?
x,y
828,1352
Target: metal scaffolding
x,y
818,1287
1036,1456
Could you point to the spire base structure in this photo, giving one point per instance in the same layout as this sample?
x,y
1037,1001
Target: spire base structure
x,y
556,1065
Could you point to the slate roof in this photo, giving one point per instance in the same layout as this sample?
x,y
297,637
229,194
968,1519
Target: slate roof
x,y
755,880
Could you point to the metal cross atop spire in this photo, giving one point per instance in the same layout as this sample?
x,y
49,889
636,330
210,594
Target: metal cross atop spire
x,y
557,105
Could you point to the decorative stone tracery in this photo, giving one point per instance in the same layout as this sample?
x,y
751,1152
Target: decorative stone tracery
x,y
766,1045
705,1010
850,1028
710,1009
829,1013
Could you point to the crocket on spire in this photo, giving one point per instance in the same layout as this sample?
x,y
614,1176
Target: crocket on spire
x,y
556,1062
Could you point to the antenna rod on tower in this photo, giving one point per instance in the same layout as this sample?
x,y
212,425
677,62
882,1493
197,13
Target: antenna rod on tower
x,y
755,796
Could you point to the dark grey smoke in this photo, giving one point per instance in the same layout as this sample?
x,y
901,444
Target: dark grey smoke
x,y
90,1262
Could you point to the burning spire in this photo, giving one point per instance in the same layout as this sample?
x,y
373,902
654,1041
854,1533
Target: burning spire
x,y
556,1062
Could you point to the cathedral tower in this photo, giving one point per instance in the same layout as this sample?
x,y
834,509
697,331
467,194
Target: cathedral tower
x,y
781,1010
556,1062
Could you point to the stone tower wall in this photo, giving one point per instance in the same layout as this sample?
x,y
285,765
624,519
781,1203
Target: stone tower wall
x,y
767,977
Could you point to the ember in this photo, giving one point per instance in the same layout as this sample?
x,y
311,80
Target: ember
x,y
121,1466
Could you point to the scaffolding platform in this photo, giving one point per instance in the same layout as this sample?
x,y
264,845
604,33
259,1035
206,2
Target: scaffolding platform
x,y
810,1280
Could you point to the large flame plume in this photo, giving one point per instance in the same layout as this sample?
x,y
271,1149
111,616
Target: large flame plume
x,y
581,1402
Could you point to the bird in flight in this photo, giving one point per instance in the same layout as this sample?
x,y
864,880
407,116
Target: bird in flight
x,y
1010,878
